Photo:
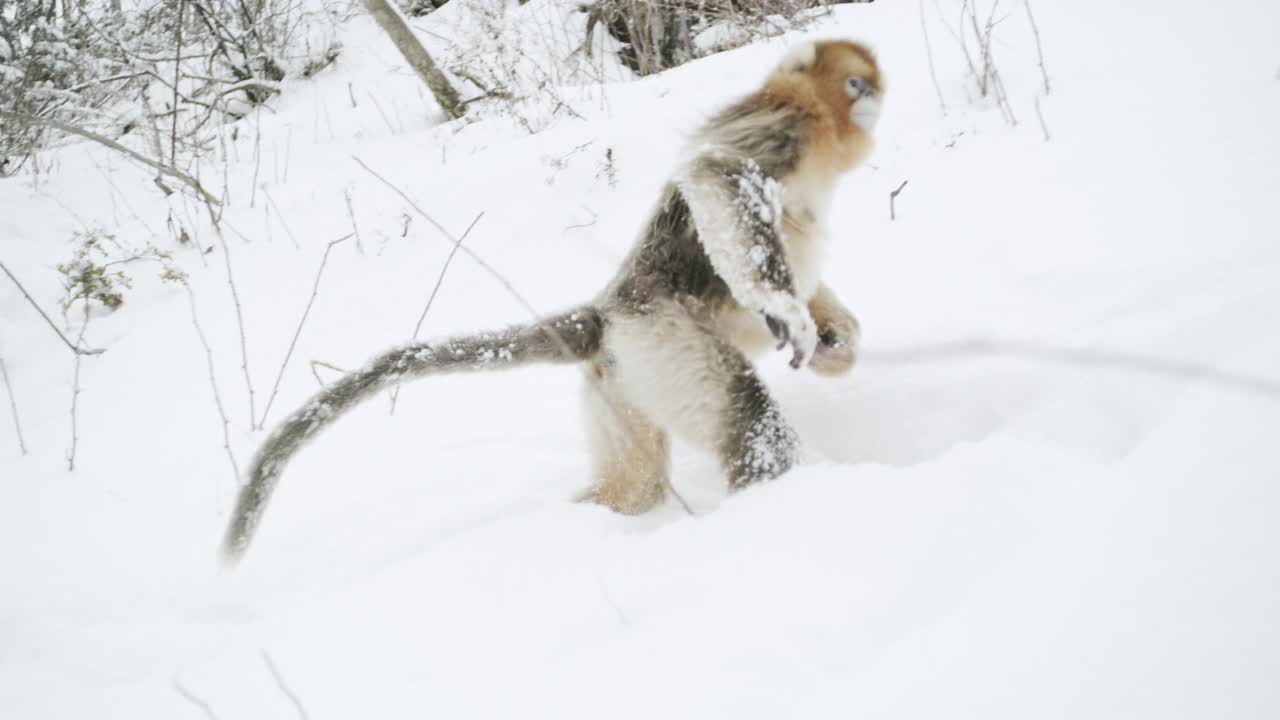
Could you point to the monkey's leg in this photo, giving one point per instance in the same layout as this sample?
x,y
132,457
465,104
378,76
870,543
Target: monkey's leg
x,y
757,443
838,334
696,384
630,456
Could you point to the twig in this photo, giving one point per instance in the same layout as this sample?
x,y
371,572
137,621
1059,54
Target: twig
x,y
1035,30
13,406
471,78
893,196
991,78
257,156
928,49
315,290
590,223
383,113
320,363
213,383
351,213
1040,115
271,202
158,167
608,598
191,698
984,43
244,344
493,272
75,395
671,488
959,37
284,687
1003,98
177,76
74,348
395,392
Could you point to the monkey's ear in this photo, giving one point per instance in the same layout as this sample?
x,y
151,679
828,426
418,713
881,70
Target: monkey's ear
x,y
800,58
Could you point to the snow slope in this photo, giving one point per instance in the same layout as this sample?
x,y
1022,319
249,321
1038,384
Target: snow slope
x,y
1049,489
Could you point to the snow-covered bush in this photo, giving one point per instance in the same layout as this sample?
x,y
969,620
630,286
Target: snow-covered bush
x,y
658,36
48,64
95,270
418,8
109,70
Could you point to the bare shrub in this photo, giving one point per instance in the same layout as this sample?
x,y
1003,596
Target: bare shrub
x,y
171,64
656,36
95,272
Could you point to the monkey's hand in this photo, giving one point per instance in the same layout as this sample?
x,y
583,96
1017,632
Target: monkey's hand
x,y
838,335
792,325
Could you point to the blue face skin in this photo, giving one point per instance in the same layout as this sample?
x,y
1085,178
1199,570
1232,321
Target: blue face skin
x,y
859,88
865,111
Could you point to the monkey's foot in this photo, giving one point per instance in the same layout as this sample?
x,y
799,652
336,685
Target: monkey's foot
x,y
625,498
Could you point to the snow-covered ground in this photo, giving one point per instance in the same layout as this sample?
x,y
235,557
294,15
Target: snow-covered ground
x,y
1050,489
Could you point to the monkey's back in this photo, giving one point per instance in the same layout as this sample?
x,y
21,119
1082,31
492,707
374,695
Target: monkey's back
x,y
668,262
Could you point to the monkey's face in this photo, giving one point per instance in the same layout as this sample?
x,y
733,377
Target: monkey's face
x,y
846,78
854,69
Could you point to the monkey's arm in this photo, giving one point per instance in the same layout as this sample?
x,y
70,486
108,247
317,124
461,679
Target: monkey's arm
x,y
838,334
737,210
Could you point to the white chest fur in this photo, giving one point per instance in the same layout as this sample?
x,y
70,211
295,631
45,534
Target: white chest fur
x,y
804,230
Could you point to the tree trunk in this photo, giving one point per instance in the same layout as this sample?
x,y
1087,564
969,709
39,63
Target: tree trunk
x,y
396,28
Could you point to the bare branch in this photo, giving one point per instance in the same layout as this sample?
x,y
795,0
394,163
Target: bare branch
x,y
395,392
75,395
958,36
440,278
1043,126
351,213
177,77
213,383
315,290
928,49
191,698
604,591
465,250
679,498
284,687
257,157
244,344
13,406
322,364
158,167
1002,97
1035,30
893,197
288,230
75,348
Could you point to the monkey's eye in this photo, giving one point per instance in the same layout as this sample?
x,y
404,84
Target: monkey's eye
x,y
858,87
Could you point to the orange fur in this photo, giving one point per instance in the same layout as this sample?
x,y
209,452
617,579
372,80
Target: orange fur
x,y
837,145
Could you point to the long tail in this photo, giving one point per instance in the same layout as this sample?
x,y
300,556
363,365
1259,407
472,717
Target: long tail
x,y
571,337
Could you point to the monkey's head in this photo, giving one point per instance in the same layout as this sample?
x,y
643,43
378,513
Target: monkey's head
x,y
843,76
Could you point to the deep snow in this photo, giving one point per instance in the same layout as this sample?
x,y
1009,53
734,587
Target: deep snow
x,y
1048,490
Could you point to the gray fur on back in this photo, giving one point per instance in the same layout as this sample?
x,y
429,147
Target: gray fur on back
x,y
669,260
